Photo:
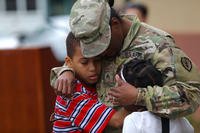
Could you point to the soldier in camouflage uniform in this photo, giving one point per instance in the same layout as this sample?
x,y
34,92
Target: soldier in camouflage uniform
x,y
90,21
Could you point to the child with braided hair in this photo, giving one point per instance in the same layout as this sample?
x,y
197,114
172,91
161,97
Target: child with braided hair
x,y
141,73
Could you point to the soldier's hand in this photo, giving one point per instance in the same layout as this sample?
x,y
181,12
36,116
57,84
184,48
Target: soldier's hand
x,y
124,93
65,84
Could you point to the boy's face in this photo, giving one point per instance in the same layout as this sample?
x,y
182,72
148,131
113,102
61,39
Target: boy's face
x,y
87,70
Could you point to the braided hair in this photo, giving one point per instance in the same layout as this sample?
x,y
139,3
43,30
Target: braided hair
x,y
111,3
141,73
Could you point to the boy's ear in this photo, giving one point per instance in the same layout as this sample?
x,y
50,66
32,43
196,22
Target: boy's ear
x,y
68,61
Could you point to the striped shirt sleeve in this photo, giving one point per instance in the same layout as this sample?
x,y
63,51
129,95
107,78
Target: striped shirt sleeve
x,y
83,113
92,116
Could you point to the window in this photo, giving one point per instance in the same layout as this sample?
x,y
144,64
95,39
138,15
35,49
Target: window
x,y
60,7
31,4
11,5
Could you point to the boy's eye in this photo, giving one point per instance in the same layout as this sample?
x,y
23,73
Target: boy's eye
x,y
97,59
84,61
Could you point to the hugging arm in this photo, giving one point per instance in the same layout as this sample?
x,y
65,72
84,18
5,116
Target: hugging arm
x,y
180,94
118,118
61,79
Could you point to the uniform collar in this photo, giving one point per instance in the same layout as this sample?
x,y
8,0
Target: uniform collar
x,y
132,31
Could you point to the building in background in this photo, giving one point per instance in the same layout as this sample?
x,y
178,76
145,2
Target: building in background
x,y
34,23
22,19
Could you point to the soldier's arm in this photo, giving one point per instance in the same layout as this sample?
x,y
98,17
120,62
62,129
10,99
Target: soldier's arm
x,y
56,72
61,79
180,94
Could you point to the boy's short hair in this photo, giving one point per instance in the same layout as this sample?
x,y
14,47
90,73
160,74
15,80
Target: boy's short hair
x,y
71,44
141,73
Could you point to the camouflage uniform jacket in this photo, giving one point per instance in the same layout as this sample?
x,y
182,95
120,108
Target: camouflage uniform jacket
x,y
180,94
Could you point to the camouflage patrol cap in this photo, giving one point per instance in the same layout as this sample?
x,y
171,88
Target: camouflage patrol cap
x,y
89,22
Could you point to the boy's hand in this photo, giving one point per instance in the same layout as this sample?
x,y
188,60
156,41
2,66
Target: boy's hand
x,y
117,119
65,84
124,93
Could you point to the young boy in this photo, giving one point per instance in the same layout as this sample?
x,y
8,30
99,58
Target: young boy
x,y
83,112
142,73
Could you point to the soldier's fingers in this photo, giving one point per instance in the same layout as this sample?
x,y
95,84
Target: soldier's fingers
x,y
113,93
116,102
64,87
118,80
56,85
69,90
73,84
60,86
115,89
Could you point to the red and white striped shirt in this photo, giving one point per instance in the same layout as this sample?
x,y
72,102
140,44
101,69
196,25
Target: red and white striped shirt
x,y
81,114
